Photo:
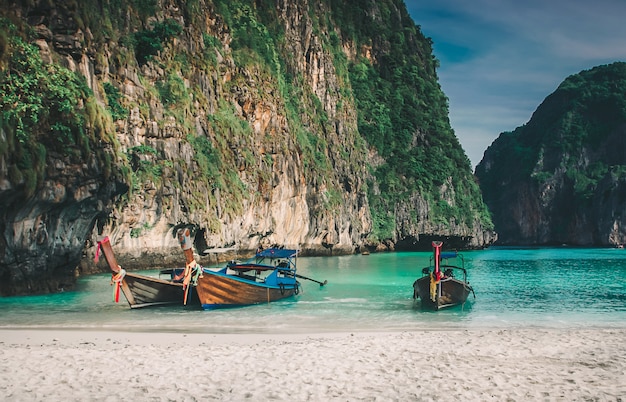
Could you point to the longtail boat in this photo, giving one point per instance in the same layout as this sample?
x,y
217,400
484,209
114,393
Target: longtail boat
x,y
269,276
439,287
145,291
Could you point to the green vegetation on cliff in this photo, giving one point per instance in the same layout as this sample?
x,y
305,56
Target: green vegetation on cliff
x,y
382,65
567,133
403,114
561,177
44,108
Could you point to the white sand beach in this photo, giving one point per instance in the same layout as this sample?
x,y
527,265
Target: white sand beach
x,y
438,365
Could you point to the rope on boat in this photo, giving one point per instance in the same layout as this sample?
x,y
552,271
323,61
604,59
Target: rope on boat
x,y
116,279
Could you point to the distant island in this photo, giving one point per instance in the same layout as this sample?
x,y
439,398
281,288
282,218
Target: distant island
x,y
561,178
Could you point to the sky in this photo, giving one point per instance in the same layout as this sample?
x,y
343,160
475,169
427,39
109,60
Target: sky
x,y
499,59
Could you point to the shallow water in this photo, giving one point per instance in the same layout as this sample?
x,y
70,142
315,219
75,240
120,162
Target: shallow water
x,y
544,287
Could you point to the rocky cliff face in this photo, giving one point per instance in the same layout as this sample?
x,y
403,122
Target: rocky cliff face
x,y
250,144
561,178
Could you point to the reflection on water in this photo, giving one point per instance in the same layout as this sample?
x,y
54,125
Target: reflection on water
x,y
514,288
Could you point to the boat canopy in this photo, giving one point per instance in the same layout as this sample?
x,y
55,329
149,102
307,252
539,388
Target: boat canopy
x,y
277,253
448,254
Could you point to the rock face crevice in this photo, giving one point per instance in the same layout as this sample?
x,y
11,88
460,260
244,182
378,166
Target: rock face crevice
x,y
45,236
247,148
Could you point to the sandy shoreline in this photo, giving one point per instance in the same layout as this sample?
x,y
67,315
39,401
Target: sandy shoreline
x,y
446,365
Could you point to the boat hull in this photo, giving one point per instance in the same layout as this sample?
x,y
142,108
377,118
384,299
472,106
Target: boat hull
x,y
217,290
145,291
449,292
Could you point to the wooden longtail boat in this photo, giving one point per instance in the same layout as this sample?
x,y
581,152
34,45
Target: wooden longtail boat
x,y
145,291
271,277
439,287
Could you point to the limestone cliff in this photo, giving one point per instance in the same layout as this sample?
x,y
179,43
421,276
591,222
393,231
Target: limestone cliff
x,y
561,178
239,118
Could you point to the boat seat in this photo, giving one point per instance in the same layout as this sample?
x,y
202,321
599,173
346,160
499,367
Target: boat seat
x,y
249,277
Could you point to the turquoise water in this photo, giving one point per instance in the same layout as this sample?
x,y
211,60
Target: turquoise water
x,y
546,287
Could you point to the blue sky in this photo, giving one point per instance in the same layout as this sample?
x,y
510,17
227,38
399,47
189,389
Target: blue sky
x,y
499,59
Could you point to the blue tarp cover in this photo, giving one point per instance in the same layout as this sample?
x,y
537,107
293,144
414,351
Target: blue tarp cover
x,y
448,254
277,253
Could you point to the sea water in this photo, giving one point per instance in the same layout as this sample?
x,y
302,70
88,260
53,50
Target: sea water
x,y
514,287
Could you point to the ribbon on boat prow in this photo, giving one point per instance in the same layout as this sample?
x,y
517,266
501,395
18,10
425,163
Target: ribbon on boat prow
x,y
192,269
99,247
435,276
116,279
117,272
